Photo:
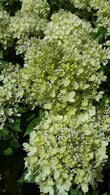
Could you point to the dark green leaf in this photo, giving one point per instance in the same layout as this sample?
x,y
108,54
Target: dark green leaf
x,y
8,152
31,116
36,121
95,193
75,192
21,109
15,143
16,125
4,132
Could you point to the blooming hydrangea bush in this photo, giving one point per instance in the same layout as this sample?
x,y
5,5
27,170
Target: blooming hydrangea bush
x,y
63,72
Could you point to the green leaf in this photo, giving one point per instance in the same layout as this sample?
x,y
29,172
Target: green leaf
x,y
105,193
22,109
21,179
31,116
5,132
1,54
99,35
75,192
8,152
95,193
31,125
42,113
36,121
15,143
16,125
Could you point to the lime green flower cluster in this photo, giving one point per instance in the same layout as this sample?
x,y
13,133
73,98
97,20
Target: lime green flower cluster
x,y
81,3
63,73
10,93
5,33
101,6
64,69
86,4
39,7
30,21
104,16
66,150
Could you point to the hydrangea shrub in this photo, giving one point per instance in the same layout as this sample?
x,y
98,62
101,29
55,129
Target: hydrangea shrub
x,y
63,73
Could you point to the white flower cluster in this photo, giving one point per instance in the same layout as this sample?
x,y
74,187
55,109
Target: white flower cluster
x,y
10,93
64,69
30,21
5,33
86,4
102,8
65,150
104,16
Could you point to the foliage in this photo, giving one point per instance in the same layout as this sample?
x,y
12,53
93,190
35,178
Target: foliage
x,y
11,6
